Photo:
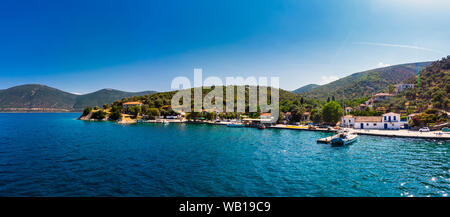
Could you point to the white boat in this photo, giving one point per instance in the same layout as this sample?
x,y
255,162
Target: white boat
x,y
344,139
165,122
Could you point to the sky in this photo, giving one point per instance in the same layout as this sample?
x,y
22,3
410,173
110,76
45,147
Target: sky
x,y
83,46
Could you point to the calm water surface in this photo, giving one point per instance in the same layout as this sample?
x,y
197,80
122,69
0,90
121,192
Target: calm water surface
x,y
56,155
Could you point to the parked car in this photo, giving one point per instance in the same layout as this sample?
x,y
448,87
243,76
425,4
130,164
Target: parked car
x,y
424,129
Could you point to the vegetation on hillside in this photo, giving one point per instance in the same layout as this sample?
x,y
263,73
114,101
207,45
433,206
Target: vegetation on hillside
x,y
432,92
305,88
429,117
365,84
332,112
31,96
159,104
104,96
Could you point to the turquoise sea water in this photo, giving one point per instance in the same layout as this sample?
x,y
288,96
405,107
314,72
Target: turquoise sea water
x,y
56,155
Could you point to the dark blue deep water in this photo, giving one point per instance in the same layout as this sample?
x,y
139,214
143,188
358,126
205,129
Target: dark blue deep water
x,y
57,155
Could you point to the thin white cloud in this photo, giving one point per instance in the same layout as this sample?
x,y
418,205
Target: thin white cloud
x,y
381,65
328,79
397,45
430,5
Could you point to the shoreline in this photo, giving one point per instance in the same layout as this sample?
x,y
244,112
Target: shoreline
x,y
401,133
384,133
404,134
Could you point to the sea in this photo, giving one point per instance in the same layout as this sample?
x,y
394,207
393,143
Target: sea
x,y
54,154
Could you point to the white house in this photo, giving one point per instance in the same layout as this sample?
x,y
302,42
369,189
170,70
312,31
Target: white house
x,y
401,87
266,117
381,97
368,122
348,121
127,105
391,121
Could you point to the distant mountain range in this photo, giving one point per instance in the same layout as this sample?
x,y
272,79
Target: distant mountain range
x,y
37,97
305,88
364,84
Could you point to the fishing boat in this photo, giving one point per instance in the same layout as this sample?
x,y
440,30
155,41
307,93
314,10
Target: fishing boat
x,y
344,139
235,125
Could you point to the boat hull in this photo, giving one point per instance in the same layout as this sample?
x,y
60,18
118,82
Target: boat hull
x,y
341,142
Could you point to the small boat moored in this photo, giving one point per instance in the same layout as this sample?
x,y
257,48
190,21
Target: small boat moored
x,y
261,126
344,139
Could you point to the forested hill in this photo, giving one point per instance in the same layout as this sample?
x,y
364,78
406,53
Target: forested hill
x,y
434,86
305,88
37,97
366,83
105,96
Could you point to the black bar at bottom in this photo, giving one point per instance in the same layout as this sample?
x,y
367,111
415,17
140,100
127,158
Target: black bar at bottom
x,y
223,206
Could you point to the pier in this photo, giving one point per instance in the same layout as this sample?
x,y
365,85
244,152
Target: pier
x,y
405,134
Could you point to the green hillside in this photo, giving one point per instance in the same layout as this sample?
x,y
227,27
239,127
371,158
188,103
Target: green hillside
x,y
432,92
37,97
305,88
288,101
434,84
366,83
105,96
164,98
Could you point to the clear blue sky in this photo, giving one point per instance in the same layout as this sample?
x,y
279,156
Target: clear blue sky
x,y
82,46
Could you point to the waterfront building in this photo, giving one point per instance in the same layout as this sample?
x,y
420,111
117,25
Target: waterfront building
x,y
266,117
348,121
368,122
391,121
127,105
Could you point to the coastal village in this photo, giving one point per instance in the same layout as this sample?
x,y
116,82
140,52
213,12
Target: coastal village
x,y
406,109
386,124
